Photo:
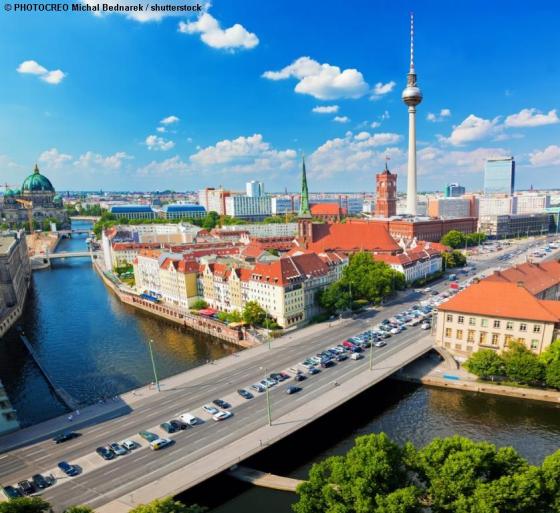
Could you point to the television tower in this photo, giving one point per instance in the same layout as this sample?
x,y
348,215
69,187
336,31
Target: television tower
x,y
412,96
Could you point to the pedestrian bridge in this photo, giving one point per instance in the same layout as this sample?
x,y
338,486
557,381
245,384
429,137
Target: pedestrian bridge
x,y
72,254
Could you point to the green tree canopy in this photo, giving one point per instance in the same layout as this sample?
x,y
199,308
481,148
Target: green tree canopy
x,y
552,375
453,259
79,509
522,365
25,505
552,353
253,313
486,363
199,304
335,298
454,239
168,505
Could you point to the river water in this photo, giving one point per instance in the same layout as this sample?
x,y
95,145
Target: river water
x,y
96,347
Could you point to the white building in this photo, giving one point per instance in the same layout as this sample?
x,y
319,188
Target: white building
x,y
496,205
264,230
213,200
254,189
532,203
449,208
249,207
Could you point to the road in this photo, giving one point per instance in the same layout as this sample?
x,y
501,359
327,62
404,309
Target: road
x,y
101,482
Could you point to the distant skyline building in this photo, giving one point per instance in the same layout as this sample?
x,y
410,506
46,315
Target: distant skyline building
x,y
499,175
386,188
454,190
411,96
254,188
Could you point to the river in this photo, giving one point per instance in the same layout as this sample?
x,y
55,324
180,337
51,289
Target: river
x,y
96,347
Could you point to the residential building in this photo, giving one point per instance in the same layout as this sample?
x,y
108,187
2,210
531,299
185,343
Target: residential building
x,y
496,205
449,207
8,417
492,314
213,200
147,272
133,212
15,278
183,211
454,190
248,207
386,189
417,262
254,189
264,230
499,175
178,278
532,203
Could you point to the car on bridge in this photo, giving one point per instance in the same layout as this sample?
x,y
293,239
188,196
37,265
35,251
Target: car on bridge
x,y
292,390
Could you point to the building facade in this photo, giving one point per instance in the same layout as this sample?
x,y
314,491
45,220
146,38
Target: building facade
x,y
386,193
516,225
454,190
133,212
449,208
8,417
254,189
213,200
248,207
499,175
183,211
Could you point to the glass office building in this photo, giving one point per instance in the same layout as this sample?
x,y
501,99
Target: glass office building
x,y
499,176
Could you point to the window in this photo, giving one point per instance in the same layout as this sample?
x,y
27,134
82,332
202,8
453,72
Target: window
x,y
482,337
537,328
522,327
495,339
521,340
472,321
460,319
447,332
534,344
459,335
449,318
508,339
470,336
484,323
496,323
458,347
509,325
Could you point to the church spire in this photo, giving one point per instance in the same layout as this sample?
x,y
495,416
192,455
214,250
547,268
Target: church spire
x,y
304,210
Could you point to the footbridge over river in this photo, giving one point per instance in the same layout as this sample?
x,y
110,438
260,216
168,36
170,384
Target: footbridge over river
x,y
209,448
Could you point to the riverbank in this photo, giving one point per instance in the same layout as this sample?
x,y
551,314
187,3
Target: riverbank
x,y
426,372
207,326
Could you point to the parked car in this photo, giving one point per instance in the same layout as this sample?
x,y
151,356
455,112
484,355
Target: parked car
x,y
26,487
356,356
148,436
325,364
221,404
299,377
245,393
118,449
258,387
222,415
380,343
40,482
11,492
190,419
65,437
129,444
341,357
395,331
212,410
168,427
160,443
270,382
313,370
425,326
69,470
292,390
179,425
105,453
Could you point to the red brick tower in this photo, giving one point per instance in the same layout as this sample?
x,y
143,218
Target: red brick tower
x,y
386,187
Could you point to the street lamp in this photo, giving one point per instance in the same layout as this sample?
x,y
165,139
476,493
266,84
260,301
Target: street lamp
x,y
371,356
150,341
268,407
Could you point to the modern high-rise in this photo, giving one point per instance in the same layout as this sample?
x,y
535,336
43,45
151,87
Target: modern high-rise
x,y
454,190
411,96
499,175
386,198
254,188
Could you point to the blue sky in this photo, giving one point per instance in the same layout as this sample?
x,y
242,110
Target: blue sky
x,y
182,102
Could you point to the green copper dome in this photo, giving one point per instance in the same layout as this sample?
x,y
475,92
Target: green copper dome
x,y
9,192
37,182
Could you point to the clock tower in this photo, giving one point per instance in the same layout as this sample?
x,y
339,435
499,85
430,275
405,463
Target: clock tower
x,y
386,201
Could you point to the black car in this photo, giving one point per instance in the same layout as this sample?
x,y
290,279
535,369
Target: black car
x,y
245,393
327,363
178,424
221,404
168,427
292,390
341,357
299,377
105,453
12,492
26,487
64,437
40,482
69,470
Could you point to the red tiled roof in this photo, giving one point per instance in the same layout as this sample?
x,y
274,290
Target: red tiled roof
x,y
327,209
121,246
501,299
289,269
535,277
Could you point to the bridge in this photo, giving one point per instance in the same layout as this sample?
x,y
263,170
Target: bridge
x,y
74,231
73,254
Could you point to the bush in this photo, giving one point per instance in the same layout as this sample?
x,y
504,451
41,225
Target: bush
x,y
199,304
486,363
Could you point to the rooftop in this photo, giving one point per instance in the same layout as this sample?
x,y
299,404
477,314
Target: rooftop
x,y
535,277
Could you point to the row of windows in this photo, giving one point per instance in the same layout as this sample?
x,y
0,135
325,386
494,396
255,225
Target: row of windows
x,y
485,338
496,323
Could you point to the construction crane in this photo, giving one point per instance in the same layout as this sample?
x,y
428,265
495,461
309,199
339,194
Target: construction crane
x,y
28,205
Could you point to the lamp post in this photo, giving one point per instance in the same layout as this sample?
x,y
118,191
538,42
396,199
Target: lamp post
x,y
371,356
268,406
154,365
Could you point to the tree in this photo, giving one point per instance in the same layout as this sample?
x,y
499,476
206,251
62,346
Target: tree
x,y
25,505
486,363
79,509
168,505
454,239
552,353
551,480
210,220
253,313
522,365
199,304
552,374
335,298
453,259
475,239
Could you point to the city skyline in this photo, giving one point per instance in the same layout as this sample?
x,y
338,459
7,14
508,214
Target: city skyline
x,y
235,97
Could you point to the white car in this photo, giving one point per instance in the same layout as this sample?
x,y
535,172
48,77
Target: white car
x,y
222,415
395,331
160,443
425,326
212,410
129,444
356,356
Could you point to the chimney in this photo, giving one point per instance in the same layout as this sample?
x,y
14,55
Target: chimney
x,y
521,284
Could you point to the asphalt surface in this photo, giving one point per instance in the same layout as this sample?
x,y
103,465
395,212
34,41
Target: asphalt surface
x,y
101,481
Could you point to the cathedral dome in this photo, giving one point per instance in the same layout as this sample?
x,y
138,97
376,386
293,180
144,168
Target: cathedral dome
x,y
37,182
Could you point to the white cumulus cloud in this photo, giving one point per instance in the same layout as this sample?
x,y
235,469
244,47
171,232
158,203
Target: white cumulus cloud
x,y
170,165
322,81
154,142
53,159
326,109
341,119
532,117
434,118
380,89
169,120
236,36
472,128
34,68
95,160
550,156
375,124
437,161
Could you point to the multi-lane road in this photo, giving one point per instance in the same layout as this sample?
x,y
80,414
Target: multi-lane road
x,y
102,482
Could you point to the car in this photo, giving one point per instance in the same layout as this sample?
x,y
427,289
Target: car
x,y
395,331
264,384
190,419
277,376
129,444
221,404
299,377
337,349
380,343
348,345
245,393
425,326
148,436
341,357
168,427
327,363
258,387
222,415
315,359
292,390
69,470
65,437
357,349
435,292
179,425
11,492
212,410
118,449
105,453
270,382
160,443
40,482
26,487
284,375
313,370
356,356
